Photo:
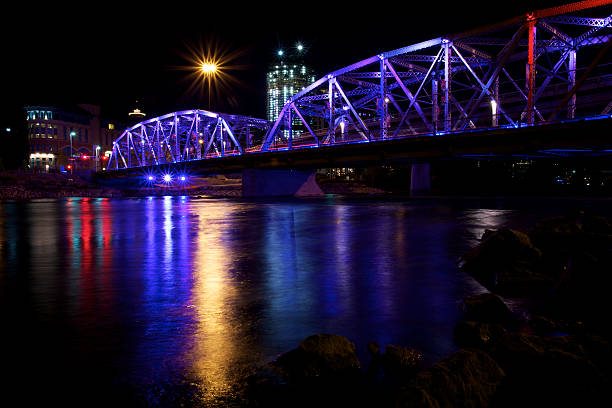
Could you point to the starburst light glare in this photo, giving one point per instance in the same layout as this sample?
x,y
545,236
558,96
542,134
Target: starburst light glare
x,y
208,68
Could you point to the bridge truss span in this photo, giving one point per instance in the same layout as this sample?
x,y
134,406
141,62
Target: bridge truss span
x,y
547,66
184,136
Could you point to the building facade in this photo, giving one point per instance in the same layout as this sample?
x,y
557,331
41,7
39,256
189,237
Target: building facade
x,y
287,76
70,139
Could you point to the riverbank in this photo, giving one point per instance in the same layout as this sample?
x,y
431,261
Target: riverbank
x,y
26,186
557,353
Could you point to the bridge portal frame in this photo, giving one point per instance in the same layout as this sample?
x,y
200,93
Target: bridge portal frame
x,y
184,136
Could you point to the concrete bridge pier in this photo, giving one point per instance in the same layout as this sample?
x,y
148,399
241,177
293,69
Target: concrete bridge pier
x,y
420,179
278,183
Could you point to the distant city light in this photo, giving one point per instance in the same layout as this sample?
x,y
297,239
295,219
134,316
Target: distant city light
x,y
280,53
300,47
138,113
151,178
182,178
8,129
167,178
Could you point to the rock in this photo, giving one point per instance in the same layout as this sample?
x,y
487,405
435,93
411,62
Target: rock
x,y
486,308
374,348
467,378
506,262
557,238
594,224
401,361
320,355
551,371
470,334
322,371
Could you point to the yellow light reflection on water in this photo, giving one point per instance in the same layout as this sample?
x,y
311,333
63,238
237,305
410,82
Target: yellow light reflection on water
x,y
214,293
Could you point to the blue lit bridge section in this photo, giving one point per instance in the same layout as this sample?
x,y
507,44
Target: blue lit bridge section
x,y
546,67
185,136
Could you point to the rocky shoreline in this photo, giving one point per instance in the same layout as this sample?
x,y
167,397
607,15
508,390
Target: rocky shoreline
x,y
22,186
557,354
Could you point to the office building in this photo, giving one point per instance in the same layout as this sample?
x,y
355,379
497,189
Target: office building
x,y
69,139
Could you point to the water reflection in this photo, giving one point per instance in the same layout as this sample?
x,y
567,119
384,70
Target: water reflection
x,y
214,297
150,294
484,218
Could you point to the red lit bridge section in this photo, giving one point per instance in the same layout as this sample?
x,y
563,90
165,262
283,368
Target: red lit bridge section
x,y
542,69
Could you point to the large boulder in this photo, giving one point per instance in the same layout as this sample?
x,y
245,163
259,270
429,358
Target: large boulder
x,y
487,308
320,355
401,362
506,262
470,334
322,371
557,238
467,378
555,371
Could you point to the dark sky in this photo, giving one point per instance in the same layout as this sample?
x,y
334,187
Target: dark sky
x,y
112,54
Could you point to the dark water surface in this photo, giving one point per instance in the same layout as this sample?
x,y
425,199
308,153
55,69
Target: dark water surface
x,y
172,301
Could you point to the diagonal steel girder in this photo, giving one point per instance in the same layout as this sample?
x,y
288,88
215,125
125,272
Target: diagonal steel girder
x,y
425,79
493,74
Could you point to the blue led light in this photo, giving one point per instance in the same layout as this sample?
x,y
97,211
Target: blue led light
x,y
167,178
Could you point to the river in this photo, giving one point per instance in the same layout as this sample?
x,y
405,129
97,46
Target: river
x,y
172,301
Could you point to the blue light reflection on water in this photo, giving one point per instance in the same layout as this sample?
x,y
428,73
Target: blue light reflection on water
x,y
154,296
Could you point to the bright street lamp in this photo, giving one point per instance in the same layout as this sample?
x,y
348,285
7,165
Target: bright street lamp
x,y
208,68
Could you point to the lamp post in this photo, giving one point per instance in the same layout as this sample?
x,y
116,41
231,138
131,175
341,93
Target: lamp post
x,y
97,156
72,133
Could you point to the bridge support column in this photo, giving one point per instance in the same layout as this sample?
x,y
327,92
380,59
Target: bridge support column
x,y
277,183
420,180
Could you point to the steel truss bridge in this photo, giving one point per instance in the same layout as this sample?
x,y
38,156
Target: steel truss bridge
x,y
546,68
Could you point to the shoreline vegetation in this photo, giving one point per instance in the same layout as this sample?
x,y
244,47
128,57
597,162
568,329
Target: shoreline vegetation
x,y
556,354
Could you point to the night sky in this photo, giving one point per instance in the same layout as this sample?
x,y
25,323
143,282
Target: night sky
x,y
112,54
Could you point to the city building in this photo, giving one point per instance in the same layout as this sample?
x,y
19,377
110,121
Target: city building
x,y
69,139
286,76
